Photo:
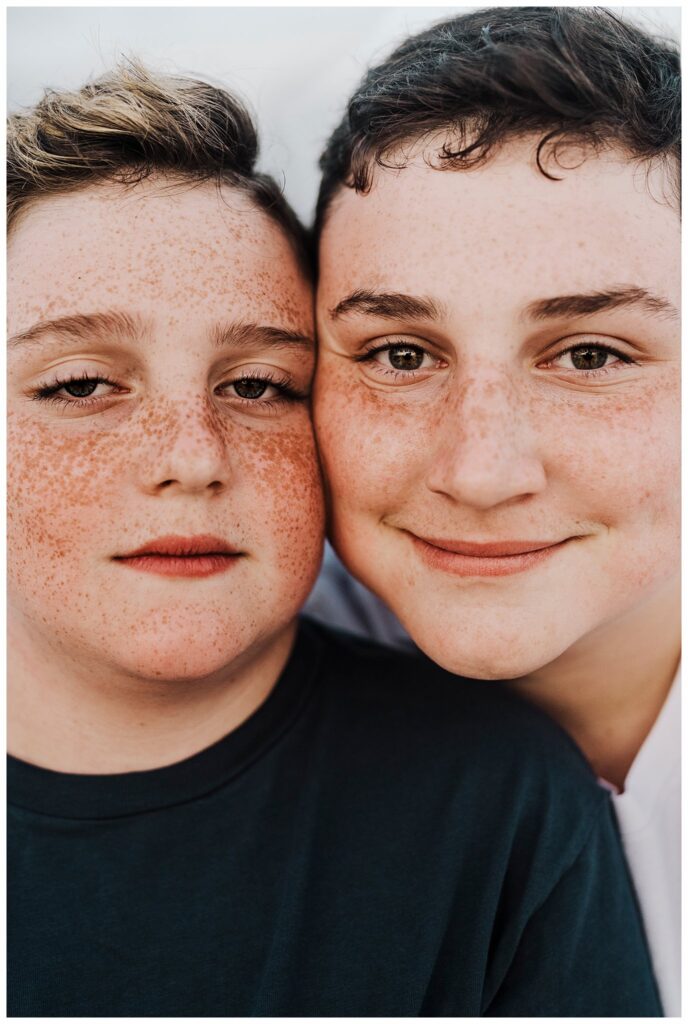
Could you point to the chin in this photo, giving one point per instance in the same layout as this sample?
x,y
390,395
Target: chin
x,y
472,665
176,662
184,650
492,665
486,650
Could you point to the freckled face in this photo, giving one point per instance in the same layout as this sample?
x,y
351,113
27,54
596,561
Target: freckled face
x,y
175,406
503,470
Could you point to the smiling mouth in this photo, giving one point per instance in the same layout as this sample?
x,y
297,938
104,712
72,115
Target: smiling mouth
x,y
496,558
182,556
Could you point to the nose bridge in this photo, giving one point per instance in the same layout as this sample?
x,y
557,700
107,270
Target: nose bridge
x,y
486,407
487,421
486,452
195,426
186,441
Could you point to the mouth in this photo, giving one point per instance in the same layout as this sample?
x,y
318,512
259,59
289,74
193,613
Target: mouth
x,y
202,555
494,558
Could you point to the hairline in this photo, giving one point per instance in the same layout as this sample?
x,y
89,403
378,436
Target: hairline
x,y
184,181
422,143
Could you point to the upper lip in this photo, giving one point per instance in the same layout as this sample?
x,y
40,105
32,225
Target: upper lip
x,y
179,547
489,549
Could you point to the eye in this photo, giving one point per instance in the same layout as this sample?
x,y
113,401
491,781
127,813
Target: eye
x,y
399,359
80,388
587,357
251,387
405,357
588,360
263,390
76,391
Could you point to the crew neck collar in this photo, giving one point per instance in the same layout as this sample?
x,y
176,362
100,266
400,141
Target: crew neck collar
x,y
68,795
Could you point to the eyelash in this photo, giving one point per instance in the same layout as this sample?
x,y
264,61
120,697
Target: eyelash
x,y
390,371
284,385
409,374
49,392
601,371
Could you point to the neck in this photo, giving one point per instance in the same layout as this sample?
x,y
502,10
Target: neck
x,y
82,718
608,689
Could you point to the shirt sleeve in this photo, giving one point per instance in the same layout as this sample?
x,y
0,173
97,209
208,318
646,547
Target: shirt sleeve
x,y
583,951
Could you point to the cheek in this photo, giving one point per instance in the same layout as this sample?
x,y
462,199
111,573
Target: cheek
x,y
52,469
621,471
74,490
280,478
623,459
64,477
60,490
372,444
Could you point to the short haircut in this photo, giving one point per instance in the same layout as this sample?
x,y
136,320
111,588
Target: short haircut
x,y
132,123
495,74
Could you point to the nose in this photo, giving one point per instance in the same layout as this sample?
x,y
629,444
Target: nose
x,y
486,452
187,451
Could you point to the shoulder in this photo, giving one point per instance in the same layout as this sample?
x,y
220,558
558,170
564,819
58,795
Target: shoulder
x,y
369,673
433,726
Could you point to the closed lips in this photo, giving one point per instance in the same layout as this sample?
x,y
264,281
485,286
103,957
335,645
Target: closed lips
x,y
490,549
182,556
495,558
183,547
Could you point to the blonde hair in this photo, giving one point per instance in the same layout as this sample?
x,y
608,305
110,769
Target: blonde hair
x,y
130,123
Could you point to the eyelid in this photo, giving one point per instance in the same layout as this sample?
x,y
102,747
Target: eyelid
x,y
285,384
286,392
621,356
59,381
577,341
398,341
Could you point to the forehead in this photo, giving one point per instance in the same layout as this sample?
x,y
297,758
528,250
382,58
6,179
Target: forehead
x,y
179,250
504,224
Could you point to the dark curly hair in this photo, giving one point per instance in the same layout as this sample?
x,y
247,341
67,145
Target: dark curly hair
x,y
498,73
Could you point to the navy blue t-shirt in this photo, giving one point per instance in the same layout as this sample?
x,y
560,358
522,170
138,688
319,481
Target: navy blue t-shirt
x,y
378,839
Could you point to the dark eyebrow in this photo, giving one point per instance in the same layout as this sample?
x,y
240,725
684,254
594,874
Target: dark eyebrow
x,y
598,302
389,306
82,325
245,335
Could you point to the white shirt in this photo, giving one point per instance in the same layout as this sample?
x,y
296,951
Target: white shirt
x,y
649,814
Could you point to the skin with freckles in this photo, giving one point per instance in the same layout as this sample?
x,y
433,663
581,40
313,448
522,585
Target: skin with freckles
x,y
458,405
160,363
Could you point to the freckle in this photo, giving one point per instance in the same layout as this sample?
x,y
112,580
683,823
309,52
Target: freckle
x,y
72,486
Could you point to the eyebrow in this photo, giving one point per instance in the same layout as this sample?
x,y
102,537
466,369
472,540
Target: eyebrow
x,y
82,325
105,326
598,302
247,334
389,306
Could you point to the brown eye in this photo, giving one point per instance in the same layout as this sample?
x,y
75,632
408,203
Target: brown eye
x,y
589,358
250,387
405,357
80,388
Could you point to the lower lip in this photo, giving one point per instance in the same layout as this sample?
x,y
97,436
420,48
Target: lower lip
x,y
481,565
181,565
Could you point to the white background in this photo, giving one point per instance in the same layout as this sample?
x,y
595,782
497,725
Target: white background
x,y
295,66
